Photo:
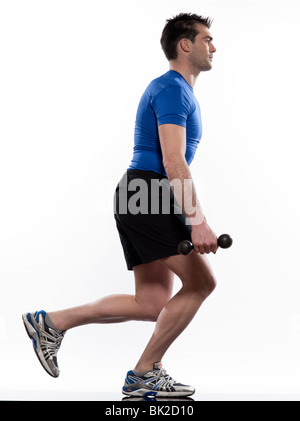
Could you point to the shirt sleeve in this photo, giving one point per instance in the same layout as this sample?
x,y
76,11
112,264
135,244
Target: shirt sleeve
x,y
171,106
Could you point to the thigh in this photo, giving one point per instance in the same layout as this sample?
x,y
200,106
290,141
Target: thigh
x,y
153,284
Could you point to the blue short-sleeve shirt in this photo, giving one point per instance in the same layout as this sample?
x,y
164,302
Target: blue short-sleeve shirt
x,y
168,99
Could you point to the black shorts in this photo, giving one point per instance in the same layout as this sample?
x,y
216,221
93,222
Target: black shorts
x,y
150,222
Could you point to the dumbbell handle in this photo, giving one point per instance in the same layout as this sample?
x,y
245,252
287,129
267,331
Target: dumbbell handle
x,y
185,247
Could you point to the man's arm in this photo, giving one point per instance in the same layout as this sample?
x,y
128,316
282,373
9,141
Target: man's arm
x,y
173,145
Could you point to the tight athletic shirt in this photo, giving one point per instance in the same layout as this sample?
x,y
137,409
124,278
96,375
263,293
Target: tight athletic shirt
x,y
168,99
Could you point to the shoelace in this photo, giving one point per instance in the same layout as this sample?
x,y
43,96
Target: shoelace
x,y
169,379
163,377
50,343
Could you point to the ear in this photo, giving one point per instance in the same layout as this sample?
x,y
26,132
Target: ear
x,y
185,45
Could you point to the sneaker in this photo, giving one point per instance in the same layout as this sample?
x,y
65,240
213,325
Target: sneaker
x,y
46,339
155,382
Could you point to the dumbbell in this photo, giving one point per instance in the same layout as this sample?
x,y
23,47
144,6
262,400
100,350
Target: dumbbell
x,y
185,247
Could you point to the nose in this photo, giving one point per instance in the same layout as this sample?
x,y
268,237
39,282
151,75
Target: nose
x,y
212,48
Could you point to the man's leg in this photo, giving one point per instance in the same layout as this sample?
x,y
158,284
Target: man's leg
x,y
153,289
153,283
197,283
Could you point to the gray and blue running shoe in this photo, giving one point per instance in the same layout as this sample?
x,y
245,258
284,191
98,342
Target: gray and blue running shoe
x,y
46,339
155,383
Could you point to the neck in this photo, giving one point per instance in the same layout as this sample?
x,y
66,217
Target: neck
x,y
188,74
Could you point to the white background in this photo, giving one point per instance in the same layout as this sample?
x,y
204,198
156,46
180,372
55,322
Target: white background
x,y
71,76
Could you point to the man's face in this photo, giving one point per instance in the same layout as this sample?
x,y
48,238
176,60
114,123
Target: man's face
x,y
202,49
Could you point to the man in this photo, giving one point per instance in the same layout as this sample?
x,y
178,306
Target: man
x,y
167,133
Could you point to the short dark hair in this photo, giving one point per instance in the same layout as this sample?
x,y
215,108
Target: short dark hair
x,y
180,26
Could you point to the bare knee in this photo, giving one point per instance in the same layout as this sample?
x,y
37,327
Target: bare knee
x,y
151,313
201,285
150,310
210,284
154,314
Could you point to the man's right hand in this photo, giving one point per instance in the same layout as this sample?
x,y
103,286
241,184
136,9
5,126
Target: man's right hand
x,y
204,239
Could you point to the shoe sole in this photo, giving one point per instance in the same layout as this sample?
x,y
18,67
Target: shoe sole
x,y
153,393
34,336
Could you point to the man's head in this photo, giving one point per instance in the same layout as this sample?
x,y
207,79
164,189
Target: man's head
x,y
187,36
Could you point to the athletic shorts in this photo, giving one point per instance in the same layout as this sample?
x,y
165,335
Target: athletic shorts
x,y
150,222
